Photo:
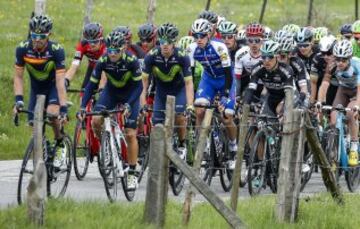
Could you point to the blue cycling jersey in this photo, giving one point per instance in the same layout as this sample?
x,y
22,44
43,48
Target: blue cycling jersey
x,y
350,78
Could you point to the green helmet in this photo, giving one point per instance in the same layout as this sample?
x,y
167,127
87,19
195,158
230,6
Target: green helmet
x,y
355,28
319,33
227,27
270,47
291,28
184,42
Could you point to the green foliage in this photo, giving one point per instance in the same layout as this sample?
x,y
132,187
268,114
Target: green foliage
x,y
68,19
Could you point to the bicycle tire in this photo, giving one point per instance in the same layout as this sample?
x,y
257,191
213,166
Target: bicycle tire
x,y
209,165
309,160
226,174
176,180
81,152
243,180
22,184
143,158
332,152
254,176
129,193
272,168
352,177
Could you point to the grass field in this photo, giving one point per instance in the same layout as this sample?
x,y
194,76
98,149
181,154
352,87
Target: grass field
x,y
68,17
318,213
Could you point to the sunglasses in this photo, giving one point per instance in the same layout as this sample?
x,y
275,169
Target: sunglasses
x,y
114,51
227,36
328,53
93,42
253,40
348,37
303,45
147,40
267,57
199,35
164,41
283,55
356,38
341,59
38,36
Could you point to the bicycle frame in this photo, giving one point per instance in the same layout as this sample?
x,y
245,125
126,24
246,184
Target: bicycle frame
x,y
342,155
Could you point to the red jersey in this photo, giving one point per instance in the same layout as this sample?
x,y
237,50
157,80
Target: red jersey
x,y
83,48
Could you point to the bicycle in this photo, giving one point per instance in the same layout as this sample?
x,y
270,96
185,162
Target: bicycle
x,y
264,155
57,177
113,153
338,146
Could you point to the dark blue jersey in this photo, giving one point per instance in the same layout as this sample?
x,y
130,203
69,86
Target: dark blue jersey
x,y
170,74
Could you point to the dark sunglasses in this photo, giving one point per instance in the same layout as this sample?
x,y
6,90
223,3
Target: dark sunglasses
x,y
114,50
227,36
283,55
328,53
164,41
148,40
38,36
341,59
93,42
199,35
267,57
356,38
253,40
303,45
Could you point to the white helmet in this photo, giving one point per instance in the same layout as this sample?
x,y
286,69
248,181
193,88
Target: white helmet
x,y
343,49
327,43
241,35
201,26
281,33
268,33
286,43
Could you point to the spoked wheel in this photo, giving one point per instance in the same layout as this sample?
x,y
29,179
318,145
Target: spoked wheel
x,y
26,172
81,151
307,167
176,179
107,167
144,151
59,176
272,172
226,173
209,163
352,176
332,152
257,164
245,163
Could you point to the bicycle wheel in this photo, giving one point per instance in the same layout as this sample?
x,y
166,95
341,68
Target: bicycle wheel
x,y
81,151
108,167
245,163
26,172
332,152
144,151
190,143
308,164
59,177
176,179
209,159
226,174
352,177
273,153
257,164
129,193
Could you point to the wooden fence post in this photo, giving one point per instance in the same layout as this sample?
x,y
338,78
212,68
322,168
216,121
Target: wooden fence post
x,y
40,6
309,17
88,9
239,159
36,194
263,8
200,148
208,2
327,175
150,18
356,9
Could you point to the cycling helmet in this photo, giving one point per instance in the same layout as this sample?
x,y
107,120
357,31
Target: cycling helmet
x,y
355,28
345,29
93,31
268,33
220,19
201,26
269,47
125,30
210,16
147,31
227,27
281,33
304,35
291,28
327,43
40,24
184,42
241,35
286,43
343,49
319,33
168,31
115,40
254,29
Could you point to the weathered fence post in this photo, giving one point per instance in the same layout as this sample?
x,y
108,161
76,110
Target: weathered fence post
x,y
88,9
208,2
36,194
327,175
309,17
356,9
151,11
200,148
169,130
263,8
40,6
239,159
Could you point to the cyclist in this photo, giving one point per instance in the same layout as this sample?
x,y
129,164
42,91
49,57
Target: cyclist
x,y
130,47
319,33
345,31
241,38
293,29
92,46
348,74
170,67
228,31
213,19
217,77
276,77
123,86
184,44
247,57
268,33
147,36
45,63
355,28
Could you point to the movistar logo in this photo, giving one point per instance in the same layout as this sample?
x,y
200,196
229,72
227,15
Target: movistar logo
x,y
41,75
120,83
56,46
167,77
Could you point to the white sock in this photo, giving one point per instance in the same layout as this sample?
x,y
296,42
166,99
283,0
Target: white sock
x,y
354,146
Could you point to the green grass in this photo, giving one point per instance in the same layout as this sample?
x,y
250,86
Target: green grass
x,y
318,212
68,17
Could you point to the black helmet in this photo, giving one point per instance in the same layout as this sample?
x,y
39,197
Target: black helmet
x,y
210,16
115,40
304,35
147,31
125,30
168,31
93,31
40,24
345,29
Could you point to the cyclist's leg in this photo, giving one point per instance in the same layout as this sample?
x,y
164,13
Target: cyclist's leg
x,y
180,119
31,107
204,95
52,110
353,125
159,106
340,98
229,117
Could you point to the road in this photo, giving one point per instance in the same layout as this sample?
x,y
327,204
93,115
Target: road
x,y
92,188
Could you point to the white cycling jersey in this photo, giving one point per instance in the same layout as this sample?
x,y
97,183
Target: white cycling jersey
x,y
244,62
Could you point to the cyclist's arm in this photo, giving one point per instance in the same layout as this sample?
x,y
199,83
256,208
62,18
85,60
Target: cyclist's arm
x,y
92,84
324,87
75,64
103,80
60,75
189,85
146,70
19,81
226,63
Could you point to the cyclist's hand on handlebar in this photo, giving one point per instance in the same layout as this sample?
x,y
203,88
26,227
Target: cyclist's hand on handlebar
x,y
80,115
318,106
63,114
190,110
